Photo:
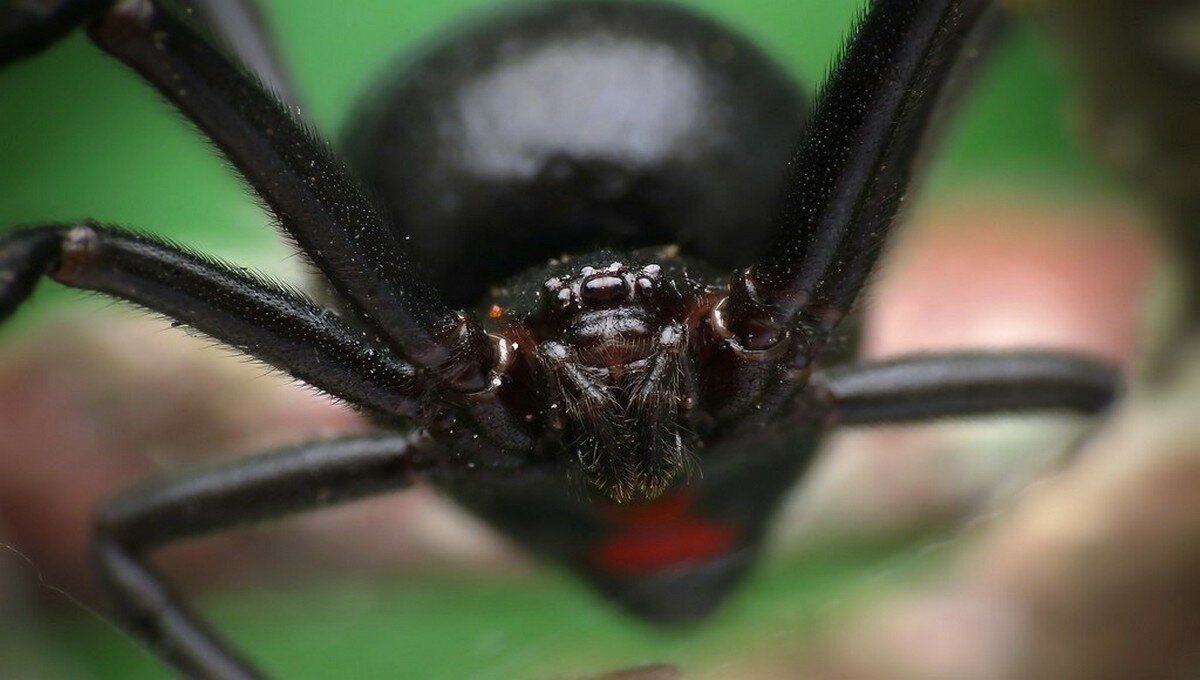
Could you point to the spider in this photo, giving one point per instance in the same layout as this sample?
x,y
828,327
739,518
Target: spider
x,y
657,235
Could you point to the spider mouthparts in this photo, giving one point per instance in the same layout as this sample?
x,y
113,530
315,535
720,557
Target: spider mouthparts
x,y
626,470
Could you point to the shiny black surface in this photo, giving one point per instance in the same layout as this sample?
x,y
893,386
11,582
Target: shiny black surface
x,y
573,126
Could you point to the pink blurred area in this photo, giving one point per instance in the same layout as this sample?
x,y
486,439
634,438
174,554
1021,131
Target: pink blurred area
x,y
90,405
989,273
998,275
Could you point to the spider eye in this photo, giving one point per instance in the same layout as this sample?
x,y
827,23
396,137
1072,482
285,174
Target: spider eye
x,y
648,277
564,297
603,289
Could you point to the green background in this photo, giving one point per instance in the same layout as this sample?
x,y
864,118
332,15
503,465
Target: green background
x,y
79,136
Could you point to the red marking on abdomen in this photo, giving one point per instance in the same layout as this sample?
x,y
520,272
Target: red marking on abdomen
x,y
649,537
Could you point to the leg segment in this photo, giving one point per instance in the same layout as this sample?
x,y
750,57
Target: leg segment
x,y
968,383
312,195
318,204
864,142
852,169
266,322
242,29
30,26
286,481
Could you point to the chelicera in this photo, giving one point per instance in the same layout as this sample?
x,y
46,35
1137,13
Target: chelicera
x,y
654,239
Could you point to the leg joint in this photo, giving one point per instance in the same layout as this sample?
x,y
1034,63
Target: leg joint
x,y
78,251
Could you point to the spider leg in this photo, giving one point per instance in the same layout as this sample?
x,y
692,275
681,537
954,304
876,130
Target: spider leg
x,y
851,171
848,180
322,207
304,477
241,28
315,199
313,196
318,203
923,387
269,323
30,26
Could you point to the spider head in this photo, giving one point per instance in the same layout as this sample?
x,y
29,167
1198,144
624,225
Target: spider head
x,y
607,316
613,361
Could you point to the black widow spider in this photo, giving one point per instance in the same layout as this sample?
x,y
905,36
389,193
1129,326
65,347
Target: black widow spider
x,y
629,408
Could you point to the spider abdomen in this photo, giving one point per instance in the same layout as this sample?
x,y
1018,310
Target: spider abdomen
x,y
570,126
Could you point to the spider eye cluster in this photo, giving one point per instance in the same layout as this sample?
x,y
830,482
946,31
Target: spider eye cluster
x,y
599,288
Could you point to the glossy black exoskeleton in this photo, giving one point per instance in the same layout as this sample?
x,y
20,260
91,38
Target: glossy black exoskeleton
x,y
653,236
576,126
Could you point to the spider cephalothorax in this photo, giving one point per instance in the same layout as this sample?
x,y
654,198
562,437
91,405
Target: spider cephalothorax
x,y
567,127
612,353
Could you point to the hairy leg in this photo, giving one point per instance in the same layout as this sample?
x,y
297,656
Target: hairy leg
x,y
867,137
314,198
269,323
242,29
287,481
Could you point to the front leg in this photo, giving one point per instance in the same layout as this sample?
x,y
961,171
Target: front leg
x,y
317,202
268,323
847,182
314,198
